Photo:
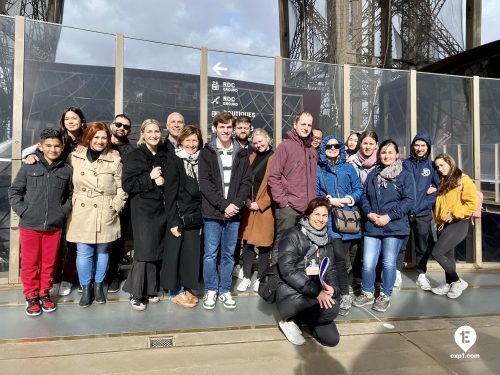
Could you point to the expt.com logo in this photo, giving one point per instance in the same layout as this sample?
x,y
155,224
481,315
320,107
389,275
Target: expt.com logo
x,y
465,337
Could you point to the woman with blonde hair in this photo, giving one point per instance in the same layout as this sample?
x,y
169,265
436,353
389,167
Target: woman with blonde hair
x,y
149,174
257,221
456,202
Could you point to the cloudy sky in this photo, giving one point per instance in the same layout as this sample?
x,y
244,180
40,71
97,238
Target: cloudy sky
x,y
230,25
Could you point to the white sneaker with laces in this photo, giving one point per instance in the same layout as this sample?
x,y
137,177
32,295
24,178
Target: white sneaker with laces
x,y
209,300
292,332
423,282
256,285
227,300
457,288
54,291
244,284
238,271
399,279
65,288
442,289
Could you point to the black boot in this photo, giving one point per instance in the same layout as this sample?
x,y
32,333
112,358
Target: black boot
x,y
99,293
87,294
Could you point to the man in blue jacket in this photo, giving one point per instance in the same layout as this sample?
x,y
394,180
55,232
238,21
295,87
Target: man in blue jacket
x,y
426,182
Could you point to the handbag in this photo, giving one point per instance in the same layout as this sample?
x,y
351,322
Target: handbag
x,y
192,220
344,220
269,283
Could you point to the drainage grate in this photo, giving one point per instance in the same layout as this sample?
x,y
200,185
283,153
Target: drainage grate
x,y
459,323
161,342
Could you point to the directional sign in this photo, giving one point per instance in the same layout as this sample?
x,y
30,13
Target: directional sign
x,y
217,68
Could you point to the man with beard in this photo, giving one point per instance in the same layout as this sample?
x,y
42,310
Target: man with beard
x,y
120,129
292,176
242,130
175,124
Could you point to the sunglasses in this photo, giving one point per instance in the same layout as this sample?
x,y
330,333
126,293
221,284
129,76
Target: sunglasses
x,y
119,125
336,146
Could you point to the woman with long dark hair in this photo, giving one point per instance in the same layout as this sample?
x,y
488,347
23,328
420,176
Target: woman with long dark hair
x,y
456,202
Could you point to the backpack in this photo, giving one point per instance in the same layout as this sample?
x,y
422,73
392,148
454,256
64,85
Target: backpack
x,y
480,197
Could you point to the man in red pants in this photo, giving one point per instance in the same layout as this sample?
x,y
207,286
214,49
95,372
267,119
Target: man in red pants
x,y
41,196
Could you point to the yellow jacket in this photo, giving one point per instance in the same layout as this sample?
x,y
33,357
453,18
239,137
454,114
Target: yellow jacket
x,y
460,202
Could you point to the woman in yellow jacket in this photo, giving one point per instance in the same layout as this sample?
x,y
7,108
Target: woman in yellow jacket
x,y
456,202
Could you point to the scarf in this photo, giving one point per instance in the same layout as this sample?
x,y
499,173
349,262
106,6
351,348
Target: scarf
x,y
367,161
190,162
317,237
390,173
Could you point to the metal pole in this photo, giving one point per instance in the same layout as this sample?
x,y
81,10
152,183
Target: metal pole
x,y
204,93
476,144
346,100
119,65
278,100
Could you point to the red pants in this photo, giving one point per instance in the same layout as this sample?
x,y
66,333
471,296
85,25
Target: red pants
x,y
38,260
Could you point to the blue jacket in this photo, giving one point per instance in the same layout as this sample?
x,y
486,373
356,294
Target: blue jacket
x,y
425,175
397,200
341,181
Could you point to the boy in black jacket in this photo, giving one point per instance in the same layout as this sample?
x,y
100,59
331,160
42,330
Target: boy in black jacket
x,y
41,196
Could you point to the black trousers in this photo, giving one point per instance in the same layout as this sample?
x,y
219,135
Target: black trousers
x,y
248,257
285,218
321,323
423,235
444,250
341,251
118,246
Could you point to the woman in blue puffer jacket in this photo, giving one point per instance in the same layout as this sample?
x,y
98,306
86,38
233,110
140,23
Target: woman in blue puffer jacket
x,y
338,181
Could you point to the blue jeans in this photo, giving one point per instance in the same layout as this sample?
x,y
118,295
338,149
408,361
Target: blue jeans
x,y
85,262
225,234
390,247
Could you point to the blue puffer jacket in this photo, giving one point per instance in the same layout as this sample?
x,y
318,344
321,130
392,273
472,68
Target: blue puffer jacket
x,y
341,181
425,175
397,200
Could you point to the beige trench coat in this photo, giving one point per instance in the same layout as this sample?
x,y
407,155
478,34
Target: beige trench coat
x,y
98,197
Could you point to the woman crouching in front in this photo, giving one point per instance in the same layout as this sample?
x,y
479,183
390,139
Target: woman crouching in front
x,y
303,298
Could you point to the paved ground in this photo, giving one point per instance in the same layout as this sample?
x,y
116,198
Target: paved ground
x,y
412,347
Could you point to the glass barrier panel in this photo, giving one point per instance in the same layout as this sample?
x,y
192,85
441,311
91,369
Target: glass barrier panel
x,y
65,67
444,112
379,102
316,88
159,79
7,36
242,85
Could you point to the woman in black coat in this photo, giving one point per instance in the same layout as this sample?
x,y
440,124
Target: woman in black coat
x,y
181,269
303,298
149,174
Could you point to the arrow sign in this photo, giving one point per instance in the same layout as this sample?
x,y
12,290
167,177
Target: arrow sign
x,y
217,68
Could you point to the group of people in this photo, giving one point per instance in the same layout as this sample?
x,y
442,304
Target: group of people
x,y
196,209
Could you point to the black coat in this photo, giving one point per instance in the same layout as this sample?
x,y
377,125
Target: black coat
x,y
210,171
149,208
299,291
182,257
41,194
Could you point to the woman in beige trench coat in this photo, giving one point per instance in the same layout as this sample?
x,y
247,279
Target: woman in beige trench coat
x,y
257,221
98,197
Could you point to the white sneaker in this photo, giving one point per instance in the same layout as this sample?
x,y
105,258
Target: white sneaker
x,y
209,299
65,289
227,300
54,291
244,284
256,285
423,282
292,332
457,288
441,290
238,271
399,279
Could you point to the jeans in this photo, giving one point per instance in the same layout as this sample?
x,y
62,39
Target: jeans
x,y
85,262
225,233
390,247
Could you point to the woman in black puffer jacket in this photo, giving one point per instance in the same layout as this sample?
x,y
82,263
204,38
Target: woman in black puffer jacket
x,y
302,298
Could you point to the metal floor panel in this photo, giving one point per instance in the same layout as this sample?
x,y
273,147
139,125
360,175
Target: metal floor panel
x,y
117,318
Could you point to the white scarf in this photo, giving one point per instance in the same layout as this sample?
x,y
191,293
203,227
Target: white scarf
x,y
190,161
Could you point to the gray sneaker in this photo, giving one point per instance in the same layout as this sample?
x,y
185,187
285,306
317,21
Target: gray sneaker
x,y
345,305
442,289
365,298
457,288
382,303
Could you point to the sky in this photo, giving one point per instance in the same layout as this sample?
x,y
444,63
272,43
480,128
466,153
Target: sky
x,y
231,25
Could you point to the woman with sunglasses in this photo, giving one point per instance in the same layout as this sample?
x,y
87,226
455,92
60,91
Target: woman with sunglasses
x,y
338,181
